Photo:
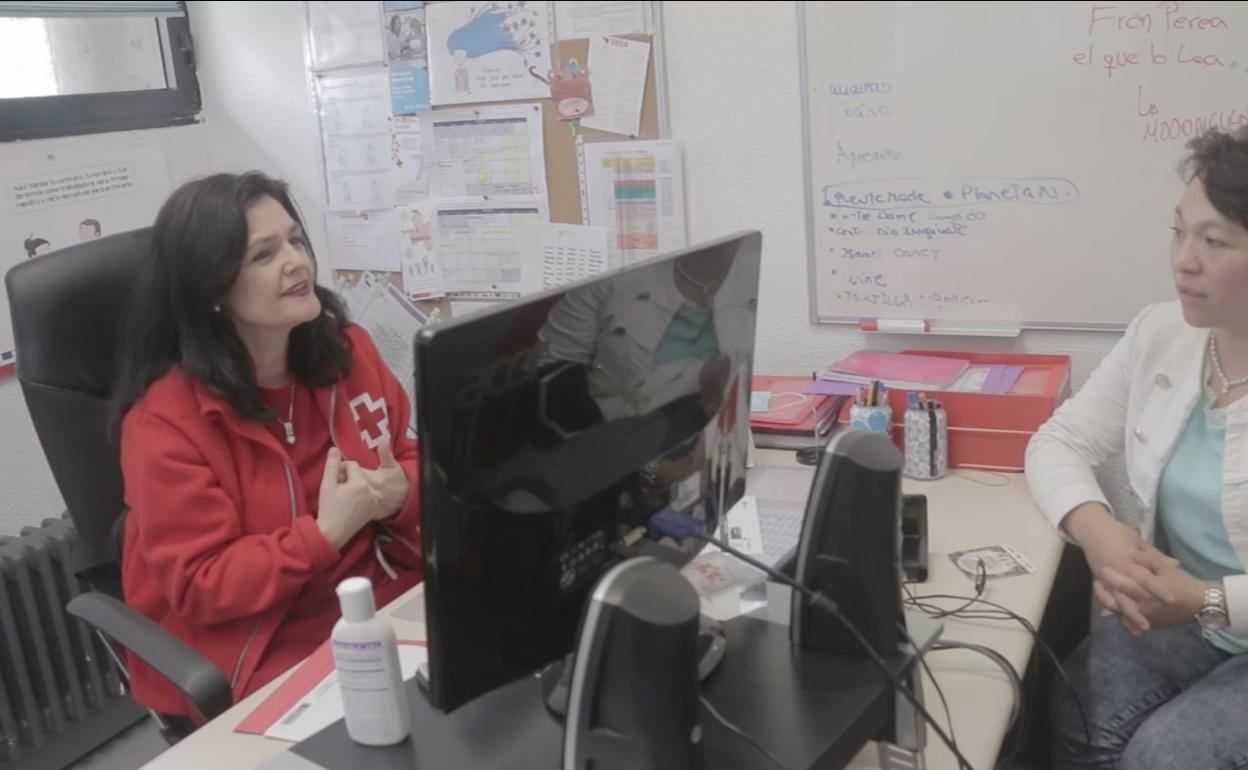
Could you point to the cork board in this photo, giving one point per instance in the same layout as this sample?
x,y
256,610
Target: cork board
x,y
560,144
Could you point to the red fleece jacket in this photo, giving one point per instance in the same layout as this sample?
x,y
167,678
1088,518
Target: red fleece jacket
x,y
218,544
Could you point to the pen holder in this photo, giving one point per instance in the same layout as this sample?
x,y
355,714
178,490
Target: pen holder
x,y
876,419
927,442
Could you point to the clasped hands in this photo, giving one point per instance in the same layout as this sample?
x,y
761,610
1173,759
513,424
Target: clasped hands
x,y
1148,590
1143,586
352,496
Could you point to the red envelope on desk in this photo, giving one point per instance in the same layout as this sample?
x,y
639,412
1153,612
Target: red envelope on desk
x,y
310,672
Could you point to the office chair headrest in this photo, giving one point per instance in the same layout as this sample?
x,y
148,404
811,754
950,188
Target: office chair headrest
x,y
68,310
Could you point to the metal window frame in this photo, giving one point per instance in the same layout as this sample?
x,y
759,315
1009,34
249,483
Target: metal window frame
x,y
43,117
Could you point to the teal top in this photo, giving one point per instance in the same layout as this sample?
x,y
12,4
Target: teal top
x,y
690,334
1189,506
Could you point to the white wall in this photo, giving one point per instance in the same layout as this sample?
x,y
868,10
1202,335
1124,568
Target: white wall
x,y
29,493
735,104
257,103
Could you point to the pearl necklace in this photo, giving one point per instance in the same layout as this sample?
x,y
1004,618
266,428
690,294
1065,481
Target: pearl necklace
x,y
1217,367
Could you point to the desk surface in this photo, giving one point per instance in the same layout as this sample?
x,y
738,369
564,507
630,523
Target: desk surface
x,y
810,710
966,509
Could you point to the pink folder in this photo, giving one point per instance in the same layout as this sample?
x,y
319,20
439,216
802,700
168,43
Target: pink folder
x,y
897,370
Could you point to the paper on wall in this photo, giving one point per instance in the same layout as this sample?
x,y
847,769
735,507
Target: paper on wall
x,y
344,34
617,76
355,135
53,199
566,253
422,272
488,51
591,19
479,247
636,189
405,36
364,240
407,156
392,321
486,152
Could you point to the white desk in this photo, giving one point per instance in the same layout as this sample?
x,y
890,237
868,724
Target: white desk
x,y
965,513
961,514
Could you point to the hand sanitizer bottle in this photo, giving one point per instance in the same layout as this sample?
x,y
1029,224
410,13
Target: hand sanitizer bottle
x,y
366,656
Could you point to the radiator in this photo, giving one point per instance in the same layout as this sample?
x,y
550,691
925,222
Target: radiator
x,y
55,674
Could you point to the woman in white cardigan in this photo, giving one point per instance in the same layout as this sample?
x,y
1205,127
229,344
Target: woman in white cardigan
x,y
1163,683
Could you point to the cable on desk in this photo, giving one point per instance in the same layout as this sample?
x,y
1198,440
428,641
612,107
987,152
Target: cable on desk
x,y
740,733
999,612
818,599
1016,683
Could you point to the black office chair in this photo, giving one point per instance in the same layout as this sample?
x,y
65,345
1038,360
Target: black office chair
x,y
68,309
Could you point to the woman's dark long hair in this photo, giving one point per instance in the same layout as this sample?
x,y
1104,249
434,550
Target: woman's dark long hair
x,y
198,243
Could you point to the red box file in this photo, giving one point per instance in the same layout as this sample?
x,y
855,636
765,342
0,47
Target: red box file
x,y
986,430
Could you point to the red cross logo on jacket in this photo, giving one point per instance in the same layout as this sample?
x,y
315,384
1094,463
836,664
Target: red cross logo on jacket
x,y
371,415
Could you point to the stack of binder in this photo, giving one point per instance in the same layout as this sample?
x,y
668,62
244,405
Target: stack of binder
x,y
791,418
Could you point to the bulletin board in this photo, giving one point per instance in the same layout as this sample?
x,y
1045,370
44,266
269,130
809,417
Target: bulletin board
x,y
561,139
1005,164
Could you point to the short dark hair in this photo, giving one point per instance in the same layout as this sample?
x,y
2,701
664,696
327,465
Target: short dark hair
x,y
32,243
198,243
91,223
1220,160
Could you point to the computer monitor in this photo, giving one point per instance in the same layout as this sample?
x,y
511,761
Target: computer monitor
x,y
553,427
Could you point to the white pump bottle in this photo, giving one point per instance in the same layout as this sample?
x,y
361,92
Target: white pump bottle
x,y
366,657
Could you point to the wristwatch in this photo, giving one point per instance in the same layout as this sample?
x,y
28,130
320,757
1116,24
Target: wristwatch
x,y
1213,613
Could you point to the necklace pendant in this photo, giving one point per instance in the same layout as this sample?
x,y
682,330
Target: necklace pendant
x,y
290,432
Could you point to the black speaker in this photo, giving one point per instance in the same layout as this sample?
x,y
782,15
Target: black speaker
x,y
633,698
850,547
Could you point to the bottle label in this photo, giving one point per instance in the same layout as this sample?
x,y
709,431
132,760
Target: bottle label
x,y
362,676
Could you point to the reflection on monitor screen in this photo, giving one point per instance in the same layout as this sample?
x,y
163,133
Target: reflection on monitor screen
x,y
553,428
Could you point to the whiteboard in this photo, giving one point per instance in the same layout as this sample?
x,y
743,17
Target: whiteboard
x,y
1013,164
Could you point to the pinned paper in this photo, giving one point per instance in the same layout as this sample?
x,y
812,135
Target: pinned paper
x,y
422,273
488,52
635,188
355,133
478,247
486,151
364,240
590,18
566,253
570,90
618,71
344,34
407,157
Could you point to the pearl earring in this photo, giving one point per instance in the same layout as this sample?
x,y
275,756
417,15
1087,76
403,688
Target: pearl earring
x,y
216,308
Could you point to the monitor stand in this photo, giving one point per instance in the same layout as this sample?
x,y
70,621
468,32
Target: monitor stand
x,y
556,678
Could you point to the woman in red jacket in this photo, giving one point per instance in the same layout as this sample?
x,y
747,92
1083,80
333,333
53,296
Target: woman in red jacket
x,y
264,442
